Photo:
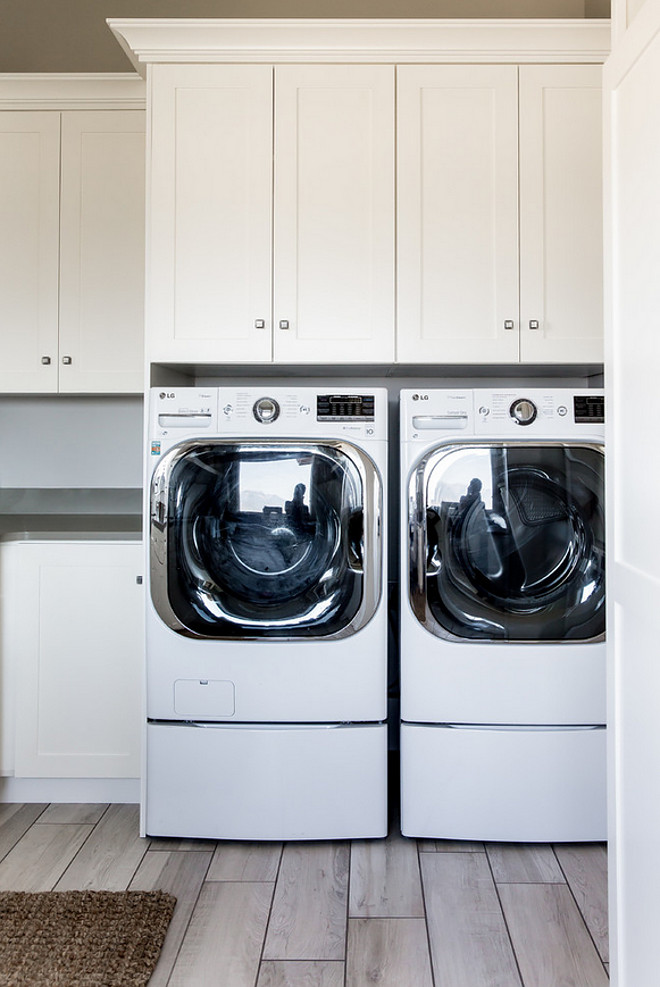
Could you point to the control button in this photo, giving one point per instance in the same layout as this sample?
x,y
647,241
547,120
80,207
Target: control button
x,y
304,409
484,411
562,410
228,409
523,411
266,410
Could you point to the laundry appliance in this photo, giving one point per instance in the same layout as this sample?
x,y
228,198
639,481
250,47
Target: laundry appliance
x,y
503,614
266,613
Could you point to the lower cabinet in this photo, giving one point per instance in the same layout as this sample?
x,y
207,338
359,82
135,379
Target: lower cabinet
x,y
72,647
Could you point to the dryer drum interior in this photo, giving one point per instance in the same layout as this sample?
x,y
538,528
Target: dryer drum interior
x,y
513,542
264,541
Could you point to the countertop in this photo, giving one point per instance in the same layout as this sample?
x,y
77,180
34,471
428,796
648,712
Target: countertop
x,y
57,514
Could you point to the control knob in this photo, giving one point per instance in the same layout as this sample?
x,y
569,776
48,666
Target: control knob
x,y
266,410
523,411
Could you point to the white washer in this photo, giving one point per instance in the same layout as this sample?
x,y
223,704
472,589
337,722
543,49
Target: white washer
x,y
503,615
266,614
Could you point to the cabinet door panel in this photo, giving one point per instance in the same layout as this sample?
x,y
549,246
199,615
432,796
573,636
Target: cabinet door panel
x,y
78,644
102,251
561,252
29,234
457,214
334,213
209,279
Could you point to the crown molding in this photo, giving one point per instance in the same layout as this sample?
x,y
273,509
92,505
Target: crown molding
x,y
75,91
150,40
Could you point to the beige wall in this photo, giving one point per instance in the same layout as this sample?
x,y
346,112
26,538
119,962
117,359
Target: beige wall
x,y
72,36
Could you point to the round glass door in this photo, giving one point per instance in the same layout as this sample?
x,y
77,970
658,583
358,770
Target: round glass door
x,y
508,542
252,540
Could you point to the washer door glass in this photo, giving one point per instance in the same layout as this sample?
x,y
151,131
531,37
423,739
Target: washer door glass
x,y
253,540
508,542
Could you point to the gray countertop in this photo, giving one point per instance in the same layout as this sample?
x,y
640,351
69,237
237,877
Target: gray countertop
x,y
45,514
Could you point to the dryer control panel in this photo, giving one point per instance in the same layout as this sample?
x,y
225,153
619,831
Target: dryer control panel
x,y
552,413
440,414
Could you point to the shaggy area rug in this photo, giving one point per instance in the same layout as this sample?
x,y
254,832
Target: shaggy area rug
x,y
81,938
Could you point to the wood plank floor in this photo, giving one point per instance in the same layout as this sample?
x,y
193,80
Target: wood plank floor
x,y
394,912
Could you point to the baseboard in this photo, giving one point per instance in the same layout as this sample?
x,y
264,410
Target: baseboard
x,y
125,790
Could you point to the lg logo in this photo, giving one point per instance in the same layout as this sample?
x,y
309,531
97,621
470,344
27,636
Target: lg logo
x,y
420,397
166,394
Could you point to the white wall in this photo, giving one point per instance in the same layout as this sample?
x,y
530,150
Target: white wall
x,y
67,442
632,89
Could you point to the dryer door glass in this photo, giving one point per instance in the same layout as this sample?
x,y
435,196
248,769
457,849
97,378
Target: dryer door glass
x,y
252,540
508,542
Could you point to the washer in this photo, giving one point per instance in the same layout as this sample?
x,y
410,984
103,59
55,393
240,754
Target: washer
x,y
503,615
266,614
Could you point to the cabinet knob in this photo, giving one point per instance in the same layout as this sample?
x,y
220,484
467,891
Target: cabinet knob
x,y
509,324
533,323
259,323
67,361
284,323
46,361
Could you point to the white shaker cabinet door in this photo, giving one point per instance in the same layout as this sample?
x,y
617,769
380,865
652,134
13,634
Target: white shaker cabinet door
x,y
209,241
102,252
75,641
561,205
333,287
29,237
457,175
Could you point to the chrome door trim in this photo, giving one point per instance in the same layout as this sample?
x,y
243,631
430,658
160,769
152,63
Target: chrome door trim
x,y
159,523
416,556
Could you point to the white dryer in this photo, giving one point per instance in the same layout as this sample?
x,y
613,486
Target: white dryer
x,y
266,614
503,615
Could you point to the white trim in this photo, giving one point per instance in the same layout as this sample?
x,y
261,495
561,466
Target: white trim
x,y
631,45
125,790
149,40
75,91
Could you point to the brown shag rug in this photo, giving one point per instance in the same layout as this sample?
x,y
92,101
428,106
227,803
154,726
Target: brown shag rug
x,y
81,938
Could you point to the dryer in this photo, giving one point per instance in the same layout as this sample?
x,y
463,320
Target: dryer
x,y
503,614
266,614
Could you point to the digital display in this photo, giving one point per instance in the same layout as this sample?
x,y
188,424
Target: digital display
x,y
345,407
589,409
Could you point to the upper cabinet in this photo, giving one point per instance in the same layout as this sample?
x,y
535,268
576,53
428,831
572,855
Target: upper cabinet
x,y
29,250
499,214
72,250
457,171
273,204
101,315
271,218
333,261
561,214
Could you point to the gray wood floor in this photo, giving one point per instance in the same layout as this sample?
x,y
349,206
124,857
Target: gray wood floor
x,y
395,912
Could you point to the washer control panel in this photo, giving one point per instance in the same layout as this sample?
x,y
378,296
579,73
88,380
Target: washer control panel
x,y
272,411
